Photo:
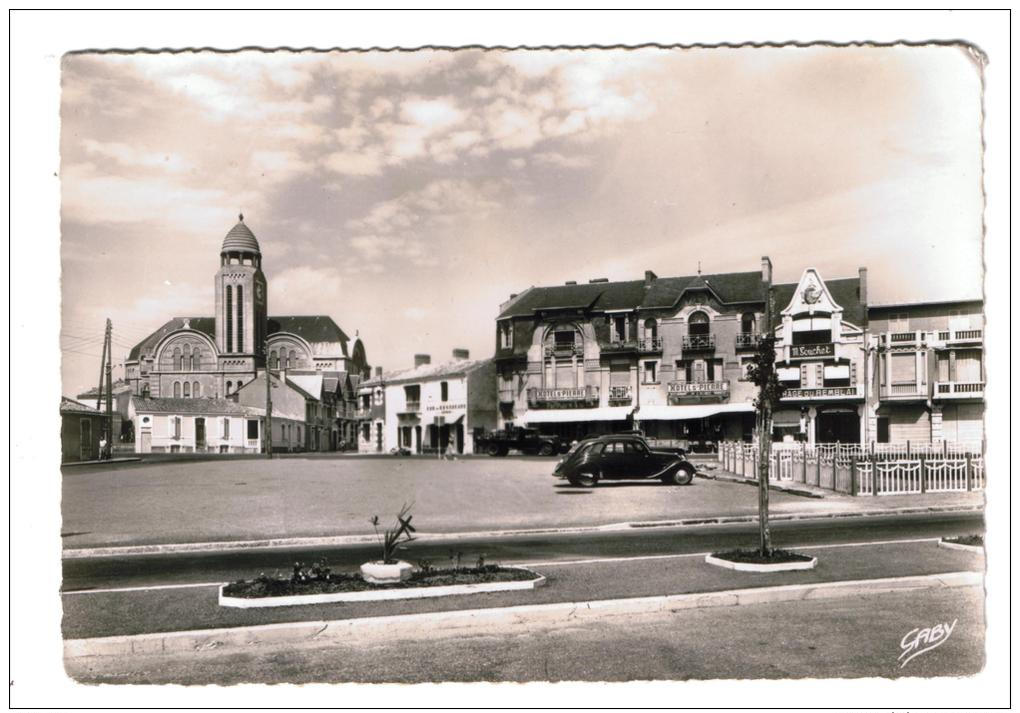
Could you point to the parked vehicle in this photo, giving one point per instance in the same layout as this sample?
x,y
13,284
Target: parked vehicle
x,y
622,457
526,440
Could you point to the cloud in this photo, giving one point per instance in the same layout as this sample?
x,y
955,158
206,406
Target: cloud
x,y
132,156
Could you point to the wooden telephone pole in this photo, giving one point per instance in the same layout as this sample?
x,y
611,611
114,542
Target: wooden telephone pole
x,y
106,387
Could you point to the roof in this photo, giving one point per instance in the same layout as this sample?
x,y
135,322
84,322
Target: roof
x,y
311,328
71,406
661,293
426,372
973,301
205,325
240,239
201,406
119,387
845,291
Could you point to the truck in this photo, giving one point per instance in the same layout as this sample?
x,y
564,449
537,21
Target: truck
x,y
526,440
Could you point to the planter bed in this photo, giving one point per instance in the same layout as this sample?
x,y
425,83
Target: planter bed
x,y
352,588
752,561
965,543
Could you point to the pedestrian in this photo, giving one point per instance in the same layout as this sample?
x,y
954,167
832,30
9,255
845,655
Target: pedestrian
x,y
102,448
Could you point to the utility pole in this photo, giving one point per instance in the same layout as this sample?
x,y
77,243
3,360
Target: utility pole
x,y
269,404
102,367
108,348
765,431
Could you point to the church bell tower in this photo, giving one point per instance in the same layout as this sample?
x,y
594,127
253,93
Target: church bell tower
x,y
241,297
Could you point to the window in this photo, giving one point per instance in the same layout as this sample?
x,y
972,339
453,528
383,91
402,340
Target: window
x,y
177,389
253,429
240,318
747,323
506,335
902,368
291,359
650,372
230,385
968,366
176,425
178,361
619,330
838,375
196,389
698,324
444,391
273,359
229,310
898,323
789,376
186,361
651,329
745,364
187,390
226,428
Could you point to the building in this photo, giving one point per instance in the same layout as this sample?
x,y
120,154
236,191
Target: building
x,y
429,408
206,425
293,409
81,428
123,409
928,382
213,357
670,356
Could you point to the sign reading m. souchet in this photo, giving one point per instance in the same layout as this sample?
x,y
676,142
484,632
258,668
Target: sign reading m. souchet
x,y
806,351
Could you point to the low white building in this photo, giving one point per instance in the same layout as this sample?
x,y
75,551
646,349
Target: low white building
x,y
429,408
205,425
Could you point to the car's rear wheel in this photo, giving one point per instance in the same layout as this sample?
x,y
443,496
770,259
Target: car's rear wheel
x,y
546,449
493,449
585,479
683,475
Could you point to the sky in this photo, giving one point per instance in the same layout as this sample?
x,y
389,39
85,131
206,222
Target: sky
x,y
408,194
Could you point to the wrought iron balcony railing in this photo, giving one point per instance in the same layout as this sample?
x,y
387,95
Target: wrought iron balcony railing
x,y
747,340
564,349
620,394
696,342
650,344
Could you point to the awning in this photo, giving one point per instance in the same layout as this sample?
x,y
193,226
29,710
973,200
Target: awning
x,y
568,415
683,413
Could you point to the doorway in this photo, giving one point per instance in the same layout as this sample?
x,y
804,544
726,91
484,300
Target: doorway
x,y
838,427
86,439
199,434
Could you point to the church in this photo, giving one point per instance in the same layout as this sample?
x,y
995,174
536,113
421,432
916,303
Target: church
x,y
213,357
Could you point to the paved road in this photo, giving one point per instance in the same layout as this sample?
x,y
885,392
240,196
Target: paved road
x,y
170,569
838,638
212,500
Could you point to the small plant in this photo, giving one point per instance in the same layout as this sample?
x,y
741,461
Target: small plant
x,y
455,558
480,562
425,567
390,539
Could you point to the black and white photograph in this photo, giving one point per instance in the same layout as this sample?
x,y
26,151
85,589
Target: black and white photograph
x,y
518,363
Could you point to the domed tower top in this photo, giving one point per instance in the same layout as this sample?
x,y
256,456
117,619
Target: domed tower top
x,y
240,239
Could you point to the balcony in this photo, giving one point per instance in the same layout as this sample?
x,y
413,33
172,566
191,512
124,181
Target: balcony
x,y
903,392
901,339
825,393
619,346
563,398
410,407
698,389
620,394
953,337
959,390
507,396
747,340
698,342
363,414
650,345
564,350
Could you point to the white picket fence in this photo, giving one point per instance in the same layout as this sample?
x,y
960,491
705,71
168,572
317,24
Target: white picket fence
x,y
863,470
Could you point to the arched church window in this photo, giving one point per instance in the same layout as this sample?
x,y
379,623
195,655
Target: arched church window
x,y
178,363
291,359
187,390
177,389
187,357
274,360
230,385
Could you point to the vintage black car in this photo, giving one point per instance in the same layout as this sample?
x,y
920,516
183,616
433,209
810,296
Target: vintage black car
x,y
525,440
622,457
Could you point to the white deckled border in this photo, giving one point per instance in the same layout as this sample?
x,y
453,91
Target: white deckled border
x,y
381,594
755,567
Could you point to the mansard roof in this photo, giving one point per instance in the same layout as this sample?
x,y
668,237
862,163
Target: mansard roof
x,y
662,293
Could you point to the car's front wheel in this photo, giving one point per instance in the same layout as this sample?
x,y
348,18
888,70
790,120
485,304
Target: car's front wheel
x,y
546,449
493,449
683,475
585,479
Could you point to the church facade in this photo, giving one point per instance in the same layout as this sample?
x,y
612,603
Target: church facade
x,y
212,357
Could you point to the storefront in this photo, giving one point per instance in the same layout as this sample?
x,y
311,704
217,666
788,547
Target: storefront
x,y
577,423
696,427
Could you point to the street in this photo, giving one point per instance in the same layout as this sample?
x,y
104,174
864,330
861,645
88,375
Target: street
x,y
849,637
210,500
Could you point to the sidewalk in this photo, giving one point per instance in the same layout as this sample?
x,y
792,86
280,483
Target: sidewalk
x,y
632,583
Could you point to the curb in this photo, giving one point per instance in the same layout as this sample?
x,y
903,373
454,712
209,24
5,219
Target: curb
x,y
754,567
125,459
346,540
772,485
473,621
974,549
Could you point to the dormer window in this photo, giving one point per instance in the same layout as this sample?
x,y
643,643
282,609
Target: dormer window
x,y
698,324
506,335
619,328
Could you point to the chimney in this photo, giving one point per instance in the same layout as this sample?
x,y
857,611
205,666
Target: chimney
x,y
766,269
461,354
598,279
512,295
570,282
422,359
650,277
378,372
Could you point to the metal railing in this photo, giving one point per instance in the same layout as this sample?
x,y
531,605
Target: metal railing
x,y
650,344
747,340
620,393
698,341
412,407
564,349
878,469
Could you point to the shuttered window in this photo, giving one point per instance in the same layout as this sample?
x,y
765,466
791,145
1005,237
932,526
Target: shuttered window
x,y
566,374
968,365
903,369
619,375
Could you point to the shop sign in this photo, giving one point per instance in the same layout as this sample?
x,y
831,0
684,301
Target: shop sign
x,y
445,407
832,392
694,388
809,351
